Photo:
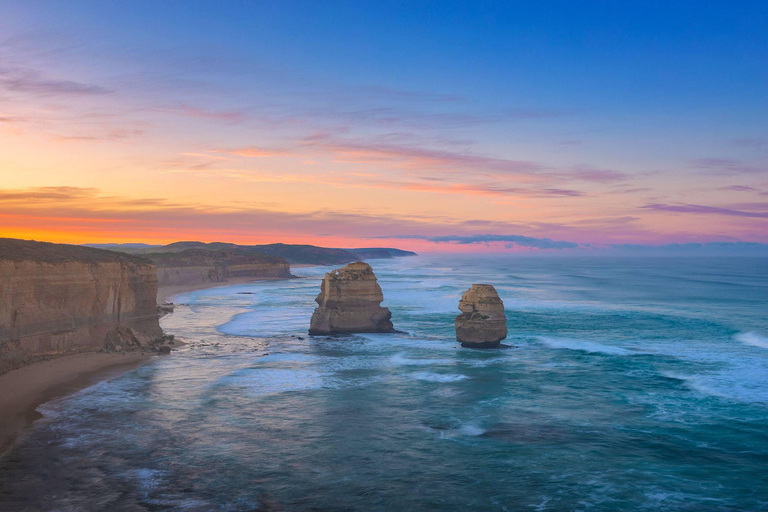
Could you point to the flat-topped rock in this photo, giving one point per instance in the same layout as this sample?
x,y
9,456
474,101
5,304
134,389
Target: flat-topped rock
x,y
482,322
350,302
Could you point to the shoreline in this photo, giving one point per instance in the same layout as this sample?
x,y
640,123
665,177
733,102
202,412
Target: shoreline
x,y
26,388
165,292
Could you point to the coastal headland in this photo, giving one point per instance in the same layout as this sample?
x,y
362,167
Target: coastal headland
x,y
71,316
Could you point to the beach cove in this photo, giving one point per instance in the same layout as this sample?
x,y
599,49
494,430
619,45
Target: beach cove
x,y
632,383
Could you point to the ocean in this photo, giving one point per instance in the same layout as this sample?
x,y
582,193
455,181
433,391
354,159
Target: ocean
x,y
626,384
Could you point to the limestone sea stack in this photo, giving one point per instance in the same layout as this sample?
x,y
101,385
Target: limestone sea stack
x,y
350,302
482,322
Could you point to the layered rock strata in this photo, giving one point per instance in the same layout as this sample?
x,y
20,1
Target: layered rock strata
x,y
60,299
197,266
482,322
350,302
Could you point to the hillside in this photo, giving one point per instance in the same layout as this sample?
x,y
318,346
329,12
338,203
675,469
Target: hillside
x,y
293,253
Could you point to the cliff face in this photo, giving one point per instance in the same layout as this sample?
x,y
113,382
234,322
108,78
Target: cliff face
x,y
57,300
349,301
482,322
194,266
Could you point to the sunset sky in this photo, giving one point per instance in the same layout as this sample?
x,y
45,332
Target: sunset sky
x,y
431,126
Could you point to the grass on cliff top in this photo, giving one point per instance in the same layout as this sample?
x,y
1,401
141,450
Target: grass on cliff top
x,y
12,249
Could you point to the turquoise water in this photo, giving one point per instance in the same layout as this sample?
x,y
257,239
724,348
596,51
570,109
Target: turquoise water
x,y
630,384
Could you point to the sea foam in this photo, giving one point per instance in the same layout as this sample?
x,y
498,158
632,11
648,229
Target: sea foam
x,y
401,359
584,346
753,339
739,385
437,377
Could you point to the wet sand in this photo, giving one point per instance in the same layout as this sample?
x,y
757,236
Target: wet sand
x,y
24,389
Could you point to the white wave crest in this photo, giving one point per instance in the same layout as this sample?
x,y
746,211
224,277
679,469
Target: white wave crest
x,y
437,377
401,360
463,431
472,430
753,339
584,346
731,386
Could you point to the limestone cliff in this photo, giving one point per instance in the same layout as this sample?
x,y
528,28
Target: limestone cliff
x,y
60,299
482,322
195,266
349,302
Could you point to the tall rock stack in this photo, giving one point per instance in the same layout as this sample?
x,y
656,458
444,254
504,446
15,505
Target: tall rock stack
x,y
349,302
482,322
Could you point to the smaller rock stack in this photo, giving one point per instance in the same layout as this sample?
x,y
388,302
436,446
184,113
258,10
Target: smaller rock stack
x,y
349,302
482,322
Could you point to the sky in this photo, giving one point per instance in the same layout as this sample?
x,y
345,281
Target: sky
x,y
434,126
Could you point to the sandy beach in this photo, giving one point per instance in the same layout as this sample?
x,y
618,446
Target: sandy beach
x,y
24,389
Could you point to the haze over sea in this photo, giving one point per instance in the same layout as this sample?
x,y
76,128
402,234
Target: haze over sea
x,y
630,384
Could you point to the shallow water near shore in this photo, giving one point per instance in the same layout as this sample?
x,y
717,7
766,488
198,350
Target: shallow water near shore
x,y
631,384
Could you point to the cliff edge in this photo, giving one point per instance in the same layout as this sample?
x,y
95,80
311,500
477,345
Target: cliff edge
x,y
58,299
349,302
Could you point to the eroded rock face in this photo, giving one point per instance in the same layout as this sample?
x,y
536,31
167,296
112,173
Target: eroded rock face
x,y
195,266
58,299
482,322
349,302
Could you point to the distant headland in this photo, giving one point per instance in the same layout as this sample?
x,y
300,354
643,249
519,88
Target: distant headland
x,y
293,253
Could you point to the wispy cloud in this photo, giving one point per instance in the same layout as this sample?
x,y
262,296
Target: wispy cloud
x,y
46,194
89,213
423,158
378,91
589,173
726,166
705,210
508,240
420,158
234,116
711,248
740,188
34,82
112,134
255,152
480,189
750,142
85,209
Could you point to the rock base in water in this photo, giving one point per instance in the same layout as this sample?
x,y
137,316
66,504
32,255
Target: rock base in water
x,y
349,302
484,344
482,322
